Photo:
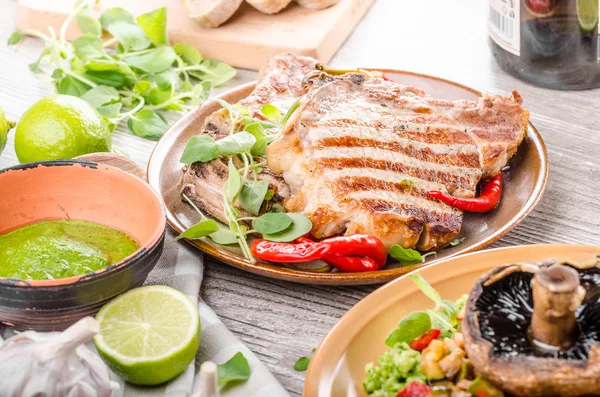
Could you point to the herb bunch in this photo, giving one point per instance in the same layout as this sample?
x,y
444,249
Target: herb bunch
x,y
138,80
245,148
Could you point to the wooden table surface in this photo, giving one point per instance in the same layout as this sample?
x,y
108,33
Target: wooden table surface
x,y
281,321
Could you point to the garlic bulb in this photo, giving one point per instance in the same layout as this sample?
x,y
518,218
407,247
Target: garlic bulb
x,y
54,364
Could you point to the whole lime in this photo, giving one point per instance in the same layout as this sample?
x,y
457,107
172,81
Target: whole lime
x,y
60,127
5,126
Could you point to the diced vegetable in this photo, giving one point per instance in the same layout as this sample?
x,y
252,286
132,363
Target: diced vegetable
x,y
451,363
430,359
424,340
415,389
482,385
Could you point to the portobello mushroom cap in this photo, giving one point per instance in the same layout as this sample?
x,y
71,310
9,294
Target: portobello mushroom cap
x,y
534,330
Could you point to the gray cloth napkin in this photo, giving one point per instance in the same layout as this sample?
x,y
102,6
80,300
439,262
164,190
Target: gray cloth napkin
x,y
182,267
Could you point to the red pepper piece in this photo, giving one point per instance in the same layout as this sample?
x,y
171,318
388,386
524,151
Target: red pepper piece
x,y
360,246
487,200
287,252
424,340
481,394
415,389
348,264
357,245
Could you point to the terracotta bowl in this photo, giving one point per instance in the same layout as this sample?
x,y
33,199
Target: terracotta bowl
x,y
86,191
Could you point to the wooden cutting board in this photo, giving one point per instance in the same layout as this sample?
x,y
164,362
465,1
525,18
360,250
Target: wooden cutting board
x,y
247,40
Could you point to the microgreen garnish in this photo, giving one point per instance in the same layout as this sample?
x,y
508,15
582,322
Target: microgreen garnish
x,y
302,363
233,371
243,188
408,256
457,242
443,316
199,230
143,77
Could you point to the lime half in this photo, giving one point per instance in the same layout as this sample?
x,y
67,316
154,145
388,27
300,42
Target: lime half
x,y
587,14
148,335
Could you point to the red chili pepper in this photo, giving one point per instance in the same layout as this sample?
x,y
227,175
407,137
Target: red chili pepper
x,y
348,264
359,247
287,252
415,389
481,394
487,200
424,340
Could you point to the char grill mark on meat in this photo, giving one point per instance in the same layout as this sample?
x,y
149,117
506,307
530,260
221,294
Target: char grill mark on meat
x,y
353,146
280,85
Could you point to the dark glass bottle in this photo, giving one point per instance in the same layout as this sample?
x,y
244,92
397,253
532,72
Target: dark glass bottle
x,y
549,43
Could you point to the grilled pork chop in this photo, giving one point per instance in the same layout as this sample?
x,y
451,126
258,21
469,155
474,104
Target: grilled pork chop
x,y
280,85
361,153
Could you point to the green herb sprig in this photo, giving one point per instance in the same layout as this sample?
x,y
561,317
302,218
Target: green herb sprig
x,y
243,185
235,370
408,256
443,316
135,83
303,362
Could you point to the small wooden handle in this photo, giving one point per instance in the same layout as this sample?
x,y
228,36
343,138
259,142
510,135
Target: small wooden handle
x,y
116,160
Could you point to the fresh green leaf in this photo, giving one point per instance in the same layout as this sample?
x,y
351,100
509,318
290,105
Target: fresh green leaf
x,y
57,74
101,65
426,288
34,67
238,143
154,61
405,256
113,15
300,226
269,195
199,148
302,364
157,96
272,222
88,47
69,85
165,79
88,24
276,208
457,242
110,110
253,194
154,24
214,70
201,92
142,87
233,371
271,112
130,36
234,182
101,95
148,124
260,146
123,76
440,321
15,38
410,327
199,230
224,236
190,55
291,110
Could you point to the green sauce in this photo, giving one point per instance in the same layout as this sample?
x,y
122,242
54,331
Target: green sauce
x,y
59,249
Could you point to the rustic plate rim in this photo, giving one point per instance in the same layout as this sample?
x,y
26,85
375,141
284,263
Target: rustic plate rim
x,y
155,165
359,310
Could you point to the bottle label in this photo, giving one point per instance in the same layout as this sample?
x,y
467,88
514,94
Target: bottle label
x,y
504,24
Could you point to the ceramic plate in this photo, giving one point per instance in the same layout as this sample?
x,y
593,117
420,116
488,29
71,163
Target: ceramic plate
x,y
524,185
337,368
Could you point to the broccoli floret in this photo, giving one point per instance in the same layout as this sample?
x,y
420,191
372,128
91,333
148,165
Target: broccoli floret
x,y
395,369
